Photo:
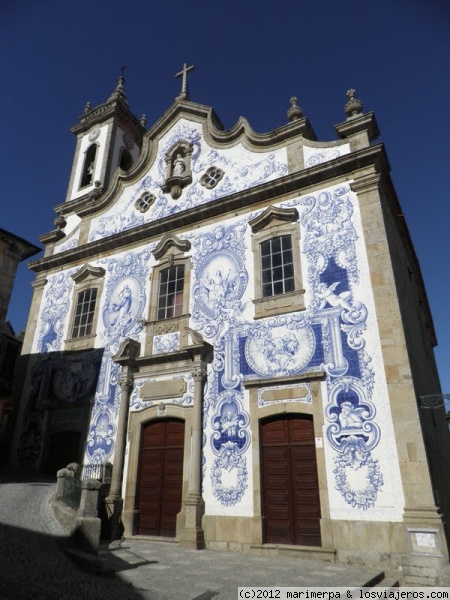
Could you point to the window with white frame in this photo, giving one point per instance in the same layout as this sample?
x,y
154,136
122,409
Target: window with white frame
x,y
276,252
170,292
84,313
277,266
85,307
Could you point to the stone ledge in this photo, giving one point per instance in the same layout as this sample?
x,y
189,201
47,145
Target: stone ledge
x,y
153,538
312,552
65,515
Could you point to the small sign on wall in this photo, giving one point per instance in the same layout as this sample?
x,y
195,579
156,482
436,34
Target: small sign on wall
x,y
319,442
425,542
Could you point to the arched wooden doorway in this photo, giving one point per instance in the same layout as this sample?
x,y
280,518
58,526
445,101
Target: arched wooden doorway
x,y
160,478
290,488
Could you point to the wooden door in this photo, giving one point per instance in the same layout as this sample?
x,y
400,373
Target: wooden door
x,y
160,478
290,489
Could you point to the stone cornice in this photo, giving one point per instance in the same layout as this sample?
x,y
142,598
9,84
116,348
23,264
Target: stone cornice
x,y
213,127
366,183
345,167
365,122
103,112
39,284
200,352
271,381
53,236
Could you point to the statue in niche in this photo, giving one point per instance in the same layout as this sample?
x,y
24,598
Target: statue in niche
x,y
179,166
178,169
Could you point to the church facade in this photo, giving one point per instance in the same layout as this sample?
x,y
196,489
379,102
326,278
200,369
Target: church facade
x,y
238,323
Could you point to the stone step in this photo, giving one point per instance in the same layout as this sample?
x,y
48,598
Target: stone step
x,y
89,562
308,552
389,581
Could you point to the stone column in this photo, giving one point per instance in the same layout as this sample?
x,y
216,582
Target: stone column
x,y
192,535
114,499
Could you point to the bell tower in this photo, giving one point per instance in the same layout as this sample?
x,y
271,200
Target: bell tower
x,y
108,136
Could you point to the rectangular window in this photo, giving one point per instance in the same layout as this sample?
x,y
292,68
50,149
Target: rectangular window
x,y
170,298
277,266
84,313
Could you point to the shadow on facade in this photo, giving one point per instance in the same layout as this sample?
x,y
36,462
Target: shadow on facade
x,y
53,409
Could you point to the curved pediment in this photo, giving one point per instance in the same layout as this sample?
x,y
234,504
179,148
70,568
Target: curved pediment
x,y
170,241
213,134
271,215
217,165
88,271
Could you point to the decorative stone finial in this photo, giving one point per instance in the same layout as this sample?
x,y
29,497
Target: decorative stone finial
x,y
143,120
295,112
87,107
354,106
60,221
97,191
119,91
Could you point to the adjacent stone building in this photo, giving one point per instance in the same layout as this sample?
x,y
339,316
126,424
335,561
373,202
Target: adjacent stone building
x,y
238,322
13,249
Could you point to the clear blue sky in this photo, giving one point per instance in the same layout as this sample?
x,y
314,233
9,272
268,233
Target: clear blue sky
x,y
250,57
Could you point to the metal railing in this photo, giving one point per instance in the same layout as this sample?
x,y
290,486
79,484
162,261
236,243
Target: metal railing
x,y
102,472
72,487
93,471
75,475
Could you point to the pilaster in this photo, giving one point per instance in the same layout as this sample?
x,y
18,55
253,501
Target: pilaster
x,y
192,534
378,216
126,357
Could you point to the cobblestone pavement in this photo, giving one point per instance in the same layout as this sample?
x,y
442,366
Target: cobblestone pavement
x,y
167,572
34,566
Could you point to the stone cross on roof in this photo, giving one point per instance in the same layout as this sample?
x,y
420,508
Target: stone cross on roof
x,y
183,73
